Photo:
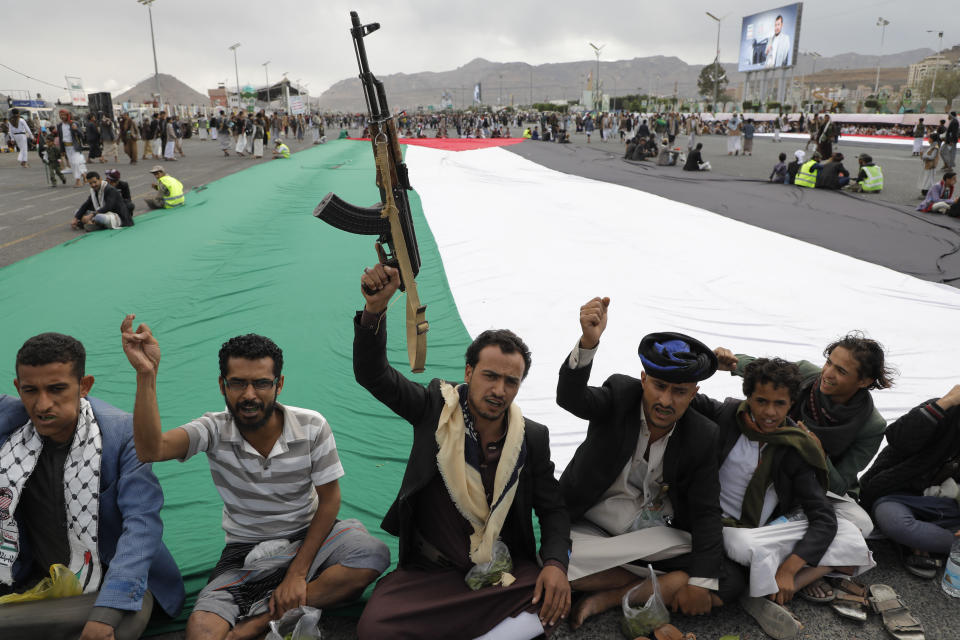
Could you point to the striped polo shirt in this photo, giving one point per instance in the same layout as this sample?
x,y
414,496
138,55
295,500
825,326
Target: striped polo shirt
x,y
266,498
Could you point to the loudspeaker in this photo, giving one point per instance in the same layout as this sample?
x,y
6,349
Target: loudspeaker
x,y
101,102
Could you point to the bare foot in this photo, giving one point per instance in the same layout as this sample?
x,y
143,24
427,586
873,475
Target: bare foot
x,y
592,605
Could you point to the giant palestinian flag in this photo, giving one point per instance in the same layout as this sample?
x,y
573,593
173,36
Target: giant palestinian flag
x,y
505,242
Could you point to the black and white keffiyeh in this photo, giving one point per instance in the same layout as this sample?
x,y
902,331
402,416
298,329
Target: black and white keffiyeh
x,y
81,485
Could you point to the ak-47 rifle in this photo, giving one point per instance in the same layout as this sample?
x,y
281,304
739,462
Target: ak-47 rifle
x,y
389,219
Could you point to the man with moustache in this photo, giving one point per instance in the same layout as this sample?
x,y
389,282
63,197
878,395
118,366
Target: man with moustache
x,y
73,493
477,470
276,468
643,486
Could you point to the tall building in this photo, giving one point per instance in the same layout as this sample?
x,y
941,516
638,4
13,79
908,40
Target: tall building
x,y
942,61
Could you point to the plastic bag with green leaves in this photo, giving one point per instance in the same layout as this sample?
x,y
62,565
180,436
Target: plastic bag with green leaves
x,y
641,620
62,583
497,571
302,623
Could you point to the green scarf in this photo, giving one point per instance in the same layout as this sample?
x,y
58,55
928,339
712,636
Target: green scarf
x,y
786,435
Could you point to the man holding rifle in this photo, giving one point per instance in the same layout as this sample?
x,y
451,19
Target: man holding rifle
x,y
468,563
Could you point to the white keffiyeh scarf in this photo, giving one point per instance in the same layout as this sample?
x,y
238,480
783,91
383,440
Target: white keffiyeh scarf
x,y
81,485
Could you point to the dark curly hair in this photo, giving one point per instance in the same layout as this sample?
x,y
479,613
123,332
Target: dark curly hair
x,y
507,340
53,347
869,356
251,347
777,371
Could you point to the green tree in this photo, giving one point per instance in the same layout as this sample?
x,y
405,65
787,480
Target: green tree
x,y
948,85
709,79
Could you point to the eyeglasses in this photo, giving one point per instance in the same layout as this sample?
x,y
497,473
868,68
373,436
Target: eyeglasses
x,y
261,384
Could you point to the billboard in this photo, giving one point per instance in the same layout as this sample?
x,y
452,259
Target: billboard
x,y
770,39
77,95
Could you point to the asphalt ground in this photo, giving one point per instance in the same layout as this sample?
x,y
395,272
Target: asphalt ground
x,y
881,228
35,217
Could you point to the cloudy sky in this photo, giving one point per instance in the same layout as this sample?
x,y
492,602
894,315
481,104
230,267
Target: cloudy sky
x,y
107,42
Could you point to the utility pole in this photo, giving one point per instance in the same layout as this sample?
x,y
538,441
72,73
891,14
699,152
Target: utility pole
x,y
933,86
716,66
236,70
883,29
266,74
597,98
153,43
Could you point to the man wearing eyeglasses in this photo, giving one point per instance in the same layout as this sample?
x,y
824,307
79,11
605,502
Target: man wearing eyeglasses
x,y
276,468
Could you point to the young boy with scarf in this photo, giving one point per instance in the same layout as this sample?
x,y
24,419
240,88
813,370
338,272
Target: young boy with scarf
x,y
834,403
477,469
777,518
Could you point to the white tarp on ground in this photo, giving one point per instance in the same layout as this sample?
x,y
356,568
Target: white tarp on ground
x,y
524,246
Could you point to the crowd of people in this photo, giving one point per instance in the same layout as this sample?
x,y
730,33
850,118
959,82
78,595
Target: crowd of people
x,y
754,499
97,137
750,500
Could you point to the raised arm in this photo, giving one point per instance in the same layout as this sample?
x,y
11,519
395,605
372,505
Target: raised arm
x,y
573,393
370,365
143,352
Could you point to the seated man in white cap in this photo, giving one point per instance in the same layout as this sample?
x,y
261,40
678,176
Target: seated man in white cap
x,y
169,190
644,487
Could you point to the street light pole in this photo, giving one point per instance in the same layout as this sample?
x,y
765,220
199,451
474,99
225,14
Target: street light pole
x,y
597,99
153,43
716,66
936,64
883,29
236,70
266,74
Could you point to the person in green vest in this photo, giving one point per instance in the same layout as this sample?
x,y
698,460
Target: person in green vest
x,y
169,190
281,150
870,177
807,175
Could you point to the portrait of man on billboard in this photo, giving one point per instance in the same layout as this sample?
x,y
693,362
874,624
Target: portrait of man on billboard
x,y
768,40
778,47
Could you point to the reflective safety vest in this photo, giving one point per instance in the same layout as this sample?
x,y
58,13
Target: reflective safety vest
x,y
874,179
175,187
805,176
284,150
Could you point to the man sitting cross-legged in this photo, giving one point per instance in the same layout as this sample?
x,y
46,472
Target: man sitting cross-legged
x,y
477,470
778,519
276,468
643,486
72,492
835,404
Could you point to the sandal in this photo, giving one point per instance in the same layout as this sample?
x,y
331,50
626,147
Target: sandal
x,y
848,585
807,592
847,605
897,619
777,621
922,566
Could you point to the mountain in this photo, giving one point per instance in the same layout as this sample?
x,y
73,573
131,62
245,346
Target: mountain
x,y
173,91
517,82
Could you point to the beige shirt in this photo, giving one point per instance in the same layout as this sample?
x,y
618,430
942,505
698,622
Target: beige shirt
x,y
636,490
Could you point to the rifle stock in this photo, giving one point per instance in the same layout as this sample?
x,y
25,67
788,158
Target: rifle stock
x,y
390,219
